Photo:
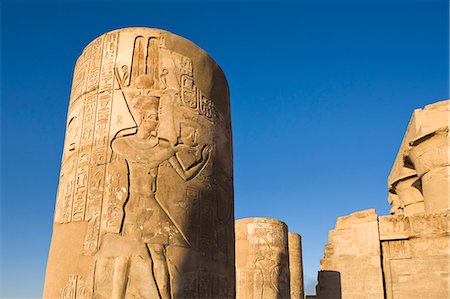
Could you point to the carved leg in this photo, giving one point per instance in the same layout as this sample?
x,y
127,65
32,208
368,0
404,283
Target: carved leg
x,y
119,277
160,269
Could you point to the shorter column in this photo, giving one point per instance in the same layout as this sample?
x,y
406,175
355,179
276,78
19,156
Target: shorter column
x,y
295,265
262,259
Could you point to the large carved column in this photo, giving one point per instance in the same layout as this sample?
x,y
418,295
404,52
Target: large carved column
x,y
145,199
262,259
295,265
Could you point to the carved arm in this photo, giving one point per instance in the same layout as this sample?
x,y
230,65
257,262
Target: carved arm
x,y
187,174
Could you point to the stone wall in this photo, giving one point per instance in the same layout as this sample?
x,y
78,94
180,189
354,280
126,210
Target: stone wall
x,y
416,255
405,255
353,250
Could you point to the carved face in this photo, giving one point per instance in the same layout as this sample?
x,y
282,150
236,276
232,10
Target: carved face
x,y
189,136
149,122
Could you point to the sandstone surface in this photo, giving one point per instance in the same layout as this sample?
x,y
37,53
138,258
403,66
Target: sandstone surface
x,y
145,199
262,259
295,265
413,243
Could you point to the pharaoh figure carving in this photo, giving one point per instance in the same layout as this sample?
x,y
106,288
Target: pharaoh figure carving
x,y
145,195
262,259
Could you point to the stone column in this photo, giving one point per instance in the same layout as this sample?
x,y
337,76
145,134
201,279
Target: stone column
x,y
408,190
424,153
145,199
430,155
295,265
262,259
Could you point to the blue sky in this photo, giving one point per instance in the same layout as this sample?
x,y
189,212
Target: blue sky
x,y
321,95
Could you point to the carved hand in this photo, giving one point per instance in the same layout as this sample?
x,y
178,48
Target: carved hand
x,y
205,152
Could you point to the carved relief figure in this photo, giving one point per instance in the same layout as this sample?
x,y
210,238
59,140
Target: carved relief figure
x,y
145,217
267,265
262,260
145,191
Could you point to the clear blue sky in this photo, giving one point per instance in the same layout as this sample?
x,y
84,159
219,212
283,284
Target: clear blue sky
x,y
321,94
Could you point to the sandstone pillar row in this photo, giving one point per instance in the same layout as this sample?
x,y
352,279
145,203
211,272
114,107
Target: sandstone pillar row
x,y
295,266
145,198
262,259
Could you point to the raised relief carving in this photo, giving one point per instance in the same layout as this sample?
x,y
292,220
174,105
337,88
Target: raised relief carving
x,y
75,289
394,227
100,144
140,180
137,211
87,134
262,259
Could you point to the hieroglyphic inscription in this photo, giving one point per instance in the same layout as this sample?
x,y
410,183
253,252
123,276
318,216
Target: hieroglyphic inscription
x,y
116,192
396,249
192,96
100,145
80,77
75,289
84,157
262,261
68,178
138,183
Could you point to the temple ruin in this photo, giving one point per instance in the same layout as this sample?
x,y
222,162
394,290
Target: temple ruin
x,y
407,254
145,205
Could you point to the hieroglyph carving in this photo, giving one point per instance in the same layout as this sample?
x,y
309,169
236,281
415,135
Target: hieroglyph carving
x,y
262,261
145,216
139,130
75,289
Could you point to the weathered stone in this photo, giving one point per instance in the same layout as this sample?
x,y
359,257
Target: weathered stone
x,y
409,192
295,266
415,249
145,200
353,250
394,227
415,240
430,155
423,159
262,259
417,267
